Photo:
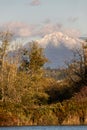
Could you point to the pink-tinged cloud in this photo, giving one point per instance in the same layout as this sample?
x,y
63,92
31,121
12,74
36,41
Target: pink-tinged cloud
x,y
72,32
47,28
18,28
21,29
35,2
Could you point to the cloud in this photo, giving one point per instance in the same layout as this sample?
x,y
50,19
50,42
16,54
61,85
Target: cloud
x,y
73,19
35,3
47,28
19,29
72,32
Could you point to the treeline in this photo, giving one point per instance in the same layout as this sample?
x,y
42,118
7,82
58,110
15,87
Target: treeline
x,y
56,73
30,95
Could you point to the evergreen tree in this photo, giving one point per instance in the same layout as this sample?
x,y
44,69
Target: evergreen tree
x,y
36,57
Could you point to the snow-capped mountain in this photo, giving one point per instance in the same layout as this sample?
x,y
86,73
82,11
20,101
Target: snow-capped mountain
x,y
58,38
58,47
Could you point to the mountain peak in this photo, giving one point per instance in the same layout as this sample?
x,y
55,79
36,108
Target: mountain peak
x,y
58,38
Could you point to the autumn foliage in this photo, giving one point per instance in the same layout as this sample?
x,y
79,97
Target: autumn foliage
x,y
29,97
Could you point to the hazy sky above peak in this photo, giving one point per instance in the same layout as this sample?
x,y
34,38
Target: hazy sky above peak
x,y
26,15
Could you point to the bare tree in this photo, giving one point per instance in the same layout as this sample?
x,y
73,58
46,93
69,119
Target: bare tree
x,y
77,67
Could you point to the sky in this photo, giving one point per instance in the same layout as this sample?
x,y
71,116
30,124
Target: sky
x,y
55,24
37,18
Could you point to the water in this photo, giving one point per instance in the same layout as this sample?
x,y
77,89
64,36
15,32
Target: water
x,y
45,128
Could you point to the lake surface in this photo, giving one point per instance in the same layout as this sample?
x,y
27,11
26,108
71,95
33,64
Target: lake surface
x,y
45,128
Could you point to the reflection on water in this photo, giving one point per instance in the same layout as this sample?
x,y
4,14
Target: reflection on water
x,y
45,128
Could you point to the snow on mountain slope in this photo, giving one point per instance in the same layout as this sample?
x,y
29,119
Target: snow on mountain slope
x,y
58,47
58,38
